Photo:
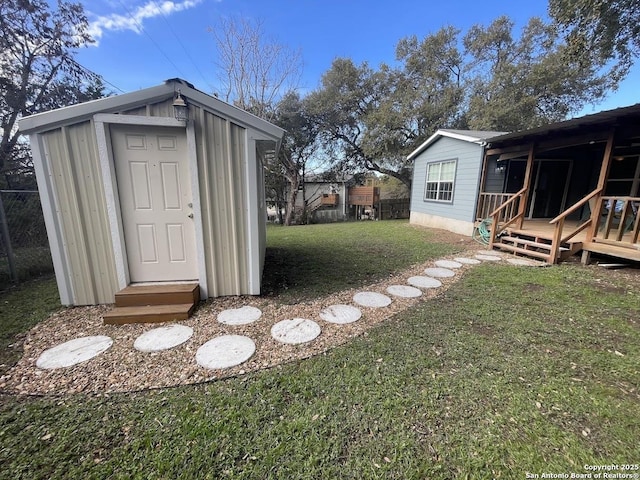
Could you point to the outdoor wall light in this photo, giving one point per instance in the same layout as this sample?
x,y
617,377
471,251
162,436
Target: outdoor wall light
x,y
180,108
500,169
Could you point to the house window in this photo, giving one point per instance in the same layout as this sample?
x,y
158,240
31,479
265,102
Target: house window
x,y
440,181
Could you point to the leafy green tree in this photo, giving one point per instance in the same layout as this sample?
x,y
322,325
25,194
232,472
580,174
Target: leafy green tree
x,y
349,107
608,31
524,82
372,119
298,145
37,67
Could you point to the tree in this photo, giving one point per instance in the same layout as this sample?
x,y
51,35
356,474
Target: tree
x,y
372,119
605,30
347,107
255,71
298,145
37,67
525,82
17,171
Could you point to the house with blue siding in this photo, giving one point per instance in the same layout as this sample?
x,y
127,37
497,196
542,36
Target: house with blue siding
x,y
547,193
446,176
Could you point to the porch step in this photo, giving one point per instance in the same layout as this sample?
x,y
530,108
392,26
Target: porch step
x,y
523,251
533,245
148,314
162,294
154,303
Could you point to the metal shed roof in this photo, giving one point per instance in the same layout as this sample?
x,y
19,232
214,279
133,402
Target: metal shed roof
x,y
75,113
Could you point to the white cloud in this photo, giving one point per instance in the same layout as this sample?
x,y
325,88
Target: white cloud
x,y
135,17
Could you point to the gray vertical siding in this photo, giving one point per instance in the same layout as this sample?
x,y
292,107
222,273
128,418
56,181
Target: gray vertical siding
x,y
77,181
465,194
221,160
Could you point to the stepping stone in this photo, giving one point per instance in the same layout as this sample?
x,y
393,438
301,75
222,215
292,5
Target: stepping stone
x,y
404,291
163,338
372,299
225,351
239,316
488,258
521,262
424,282
340,314
467,261
73,352
439,272
448,264
296,330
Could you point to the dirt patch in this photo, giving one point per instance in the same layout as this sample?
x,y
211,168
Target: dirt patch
x,y
533,287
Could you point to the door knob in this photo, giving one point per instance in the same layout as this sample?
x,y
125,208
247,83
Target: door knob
x,y
190,215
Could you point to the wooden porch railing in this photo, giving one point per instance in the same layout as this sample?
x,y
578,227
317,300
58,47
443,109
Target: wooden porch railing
x,y
558,239
503,216
619,221
488,202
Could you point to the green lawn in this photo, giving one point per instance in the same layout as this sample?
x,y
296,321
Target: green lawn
x,y
511,370
22,307
30,262
306,262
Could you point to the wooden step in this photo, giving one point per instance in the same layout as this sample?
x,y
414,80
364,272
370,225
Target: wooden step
x,y
521,241
522,251
535,236
160,294
148,314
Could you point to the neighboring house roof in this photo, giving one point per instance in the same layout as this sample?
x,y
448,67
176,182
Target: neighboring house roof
x,y
607,117
471,136
129,101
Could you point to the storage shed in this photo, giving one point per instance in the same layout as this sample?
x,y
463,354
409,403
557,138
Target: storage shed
x,y
131,194
446,177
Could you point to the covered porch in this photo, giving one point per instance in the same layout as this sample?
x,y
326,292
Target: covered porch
x,y
572,186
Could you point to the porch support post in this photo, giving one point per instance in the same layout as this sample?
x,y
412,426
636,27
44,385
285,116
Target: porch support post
x,y
522,207
602,180
483,179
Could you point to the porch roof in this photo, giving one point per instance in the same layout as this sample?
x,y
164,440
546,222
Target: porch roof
x,y
597,121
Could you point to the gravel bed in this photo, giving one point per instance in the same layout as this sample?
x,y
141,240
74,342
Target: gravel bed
x,y
123,369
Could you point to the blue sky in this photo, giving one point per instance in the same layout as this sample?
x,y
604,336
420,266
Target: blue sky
x,y
141,43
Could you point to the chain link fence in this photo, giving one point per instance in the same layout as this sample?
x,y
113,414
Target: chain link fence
x,y
24,247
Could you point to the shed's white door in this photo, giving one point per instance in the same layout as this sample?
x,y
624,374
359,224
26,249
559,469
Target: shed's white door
x,y
155,201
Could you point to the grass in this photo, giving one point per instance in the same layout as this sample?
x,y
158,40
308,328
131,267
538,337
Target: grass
x,y
310,261
30,262
511,370
22,307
